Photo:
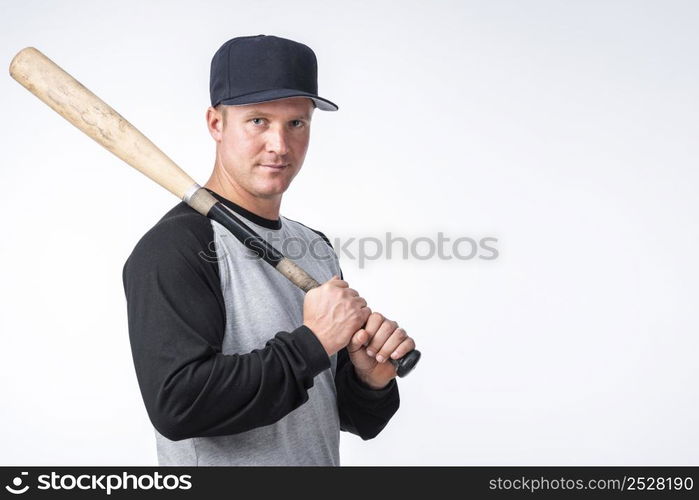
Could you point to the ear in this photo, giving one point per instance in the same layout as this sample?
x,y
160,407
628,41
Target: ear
x,y
214,121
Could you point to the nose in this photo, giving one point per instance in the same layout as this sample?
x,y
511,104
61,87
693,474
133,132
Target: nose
x,y
277,141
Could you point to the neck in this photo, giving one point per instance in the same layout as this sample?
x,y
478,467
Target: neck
x,y
264,207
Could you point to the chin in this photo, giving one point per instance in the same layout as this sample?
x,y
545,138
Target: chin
x,y
271,191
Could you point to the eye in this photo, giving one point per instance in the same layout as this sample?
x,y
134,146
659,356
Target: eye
x,y
257,121
297,123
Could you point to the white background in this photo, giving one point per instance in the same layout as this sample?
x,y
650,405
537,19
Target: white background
x,y
567,130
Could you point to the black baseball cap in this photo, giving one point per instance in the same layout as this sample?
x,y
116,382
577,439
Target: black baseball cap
x,y
262,68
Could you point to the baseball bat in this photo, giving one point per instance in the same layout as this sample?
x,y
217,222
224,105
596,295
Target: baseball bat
x,y
77,104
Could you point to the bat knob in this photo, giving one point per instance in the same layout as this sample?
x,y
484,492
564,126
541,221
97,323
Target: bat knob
x,y
406,364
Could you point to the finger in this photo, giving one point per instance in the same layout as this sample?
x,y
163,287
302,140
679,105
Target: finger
x,y
373,323
404,348
391,344
352,292
378,340
357,340
365,313
359,301
337,282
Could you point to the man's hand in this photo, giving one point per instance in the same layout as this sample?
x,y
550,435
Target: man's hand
x,y
334,312
384,340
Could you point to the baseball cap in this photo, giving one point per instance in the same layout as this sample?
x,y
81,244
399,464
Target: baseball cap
x,y
261,68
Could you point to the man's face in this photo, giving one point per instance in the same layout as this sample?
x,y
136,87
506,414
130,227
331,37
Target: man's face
x,y
261,147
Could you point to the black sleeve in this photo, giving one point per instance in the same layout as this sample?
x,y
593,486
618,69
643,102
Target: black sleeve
x,y
176,317
363,411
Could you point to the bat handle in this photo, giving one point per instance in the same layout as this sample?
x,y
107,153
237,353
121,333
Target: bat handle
x,y
406,364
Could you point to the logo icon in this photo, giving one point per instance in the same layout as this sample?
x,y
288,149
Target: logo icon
x,y
17,482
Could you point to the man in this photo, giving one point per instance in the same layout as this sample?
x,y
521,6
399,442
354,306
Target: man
x,y
235,365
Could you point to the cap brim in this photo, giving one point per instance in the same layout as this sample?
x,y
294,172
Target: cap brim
x,y
275,95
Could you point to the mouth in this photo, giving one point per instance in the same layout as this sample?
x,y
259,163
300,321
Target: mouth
x,y
273,166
